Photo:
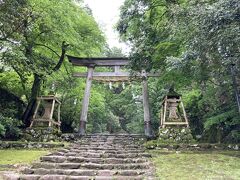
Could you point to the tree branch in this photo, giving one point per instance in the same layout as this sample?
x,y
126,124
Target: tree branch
x,y
22,81
43,45
64,49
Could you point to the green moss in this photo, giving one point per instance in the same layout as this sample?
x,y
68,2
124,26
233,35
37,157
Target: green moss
x,y
10,156
175,135
151,144
159,143
197,165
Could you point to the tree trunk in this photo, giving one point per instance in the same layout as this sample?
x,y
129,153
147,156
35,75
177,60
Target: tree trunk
x,y
27,115
235,86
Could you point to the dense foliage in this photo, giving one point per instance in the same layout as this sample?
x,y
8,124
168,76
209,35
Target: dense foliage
x,y
35,36
34,40
194,44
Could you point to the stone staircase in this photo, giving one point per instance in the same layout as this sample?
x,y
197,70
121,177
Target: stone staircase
x,y
94,157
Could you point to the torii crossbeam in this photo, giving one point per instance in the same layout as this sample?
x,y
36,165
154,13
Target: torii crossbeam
x,y
117,75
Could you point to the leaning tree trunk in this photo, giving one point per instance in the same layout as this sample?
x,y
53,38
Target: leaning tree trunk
x,y
27,116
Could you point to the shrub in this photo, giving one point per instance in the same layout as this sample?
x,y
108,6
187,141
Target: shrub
x,y
223,127
2,130
151,144
9,127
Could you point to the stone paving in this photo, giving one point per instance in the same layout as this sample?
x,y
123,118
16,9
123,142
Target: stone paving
x,y
94,157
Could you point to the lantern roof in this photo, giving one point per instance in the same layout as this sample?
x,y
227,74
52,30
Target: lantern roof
x,y
173,94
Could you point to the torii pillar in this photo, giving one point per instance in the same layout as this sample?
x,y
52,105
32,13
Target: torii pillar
x,y
147,117
85,102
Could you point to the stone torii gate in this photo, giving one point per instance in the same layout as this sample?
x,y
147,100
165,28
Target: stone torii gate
x,y
117,75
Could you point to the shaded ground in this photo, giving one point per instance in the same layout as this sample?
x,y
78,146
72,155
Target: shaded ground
x,y
197,165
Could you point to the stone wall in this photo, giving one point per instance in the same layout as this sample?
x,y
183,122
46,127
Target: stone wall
x,y
155,144
28,145
175,135
41,134
48,134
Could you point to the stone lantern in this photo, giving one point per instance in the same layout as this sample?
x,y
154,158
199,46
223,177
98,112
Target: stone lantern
x,y
49,104
172,111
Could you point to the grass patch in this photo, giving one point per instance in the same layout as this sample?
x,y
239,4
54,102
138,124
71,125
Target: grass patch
x,y
13,156
197,165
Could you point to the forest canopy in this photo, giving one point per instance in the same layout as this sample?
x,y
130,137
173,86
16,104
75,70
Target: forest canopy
x,y
195,45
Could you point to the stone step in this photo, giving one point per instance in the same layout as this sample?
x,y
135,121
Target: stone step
x,y
106,144
47,165
111,138
119,134
65,177
116,135
61,159
104,155
105,147
113,151
80,172
108,141
112,146
94,157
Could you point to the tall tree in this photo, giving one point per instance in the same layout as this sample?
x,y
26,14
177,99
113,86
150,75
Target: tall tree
x,y
194,44
34,39
145,24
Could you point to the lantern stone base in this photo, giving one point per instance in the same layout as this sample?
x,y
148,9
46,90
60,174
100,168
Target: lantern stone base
x,y
39,134
175,135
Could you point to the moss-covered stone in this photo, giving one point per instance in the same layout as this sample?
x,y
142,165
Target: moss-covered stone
x,y
29,145
175,135
156,144
48,134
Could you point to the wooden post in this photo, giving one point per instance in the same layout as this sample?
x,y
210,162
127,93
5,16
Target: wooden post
x,y
59,120
161,116
164,112
52,110
85,102
184,113
35,112
147,120
51,114
116,69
